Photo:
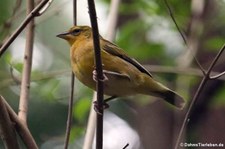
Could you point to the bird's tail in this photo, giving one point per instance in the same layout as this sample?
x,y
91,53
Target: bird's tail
x,y
172,98
152,87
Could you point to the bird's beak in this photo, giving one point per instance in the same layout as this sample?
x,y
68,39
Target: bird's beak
x,y
63,35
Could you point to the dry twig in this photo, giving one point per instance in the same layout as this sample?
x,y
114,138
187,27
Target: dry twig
x,y
70,107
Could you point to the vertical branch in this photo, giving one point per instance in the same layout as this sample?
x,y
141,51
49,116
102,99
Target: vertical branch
x,y
100,77
70,112
112,21
7,132
74,12
25,84
70,108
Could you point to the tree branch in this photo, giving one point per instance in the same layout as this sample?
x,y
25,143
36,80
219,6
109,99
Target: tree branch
x,y
22,129
31,15
70,107
182,71
70,112
217,76
112,21
28,55
197,94
7,132
98,64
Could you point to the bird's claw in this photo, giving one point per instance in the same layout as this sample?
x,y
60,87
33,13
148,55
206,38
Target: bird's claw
x,y
97,108
95,77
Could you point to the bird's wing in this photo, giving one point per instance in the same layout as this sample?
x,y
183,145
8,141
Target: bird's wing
x,y
110,74
116,51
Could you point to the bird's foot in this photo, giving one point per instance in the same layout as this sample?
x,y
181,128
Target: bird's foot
x,y
110,98
95,76
98,109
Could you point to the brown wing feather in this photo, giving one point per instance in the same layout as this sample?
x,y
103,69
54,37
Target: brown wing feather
x,y
116,51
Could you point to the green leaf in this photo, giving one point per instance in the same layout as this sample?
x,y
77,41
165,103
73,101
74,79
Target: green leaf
x,y
214,43
47,88
18,66
81,109
76,132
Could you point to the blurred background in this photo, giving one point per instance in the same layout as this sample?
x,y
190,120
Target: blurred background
x,y
145,30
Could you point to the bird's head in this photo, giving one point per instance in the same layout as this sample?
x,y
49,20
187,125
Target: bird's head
x,y
75,33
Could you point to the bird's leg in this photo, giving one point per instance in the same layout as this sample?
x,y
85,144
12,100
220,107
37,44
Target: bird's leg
x,y
95,75
95,78
105,105
105,78
96,107
109,99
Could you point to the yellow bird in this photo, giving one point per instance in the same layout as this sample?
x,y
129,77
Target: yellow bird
x,y
124,75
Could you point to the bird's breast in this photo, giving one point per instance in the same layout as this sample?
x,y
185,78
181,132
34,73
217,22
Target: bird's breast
x,y
82,62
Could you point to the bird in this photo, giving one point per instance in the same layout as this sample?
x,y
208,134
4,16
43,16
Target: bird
x,y
124,76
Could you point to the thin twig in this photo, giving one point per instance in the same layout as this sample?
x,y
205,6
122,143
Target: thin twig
x,y
197,94
175,22
70,113
28,56
126,146
183,71
217,76
74,12
70,106
54,11
32,15
22,129
182,35
7,131
216,59
98,65
43,9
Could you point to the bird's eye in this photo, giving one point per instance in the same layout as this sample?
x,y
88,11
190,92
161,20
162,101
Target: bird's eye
x,y
75,32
